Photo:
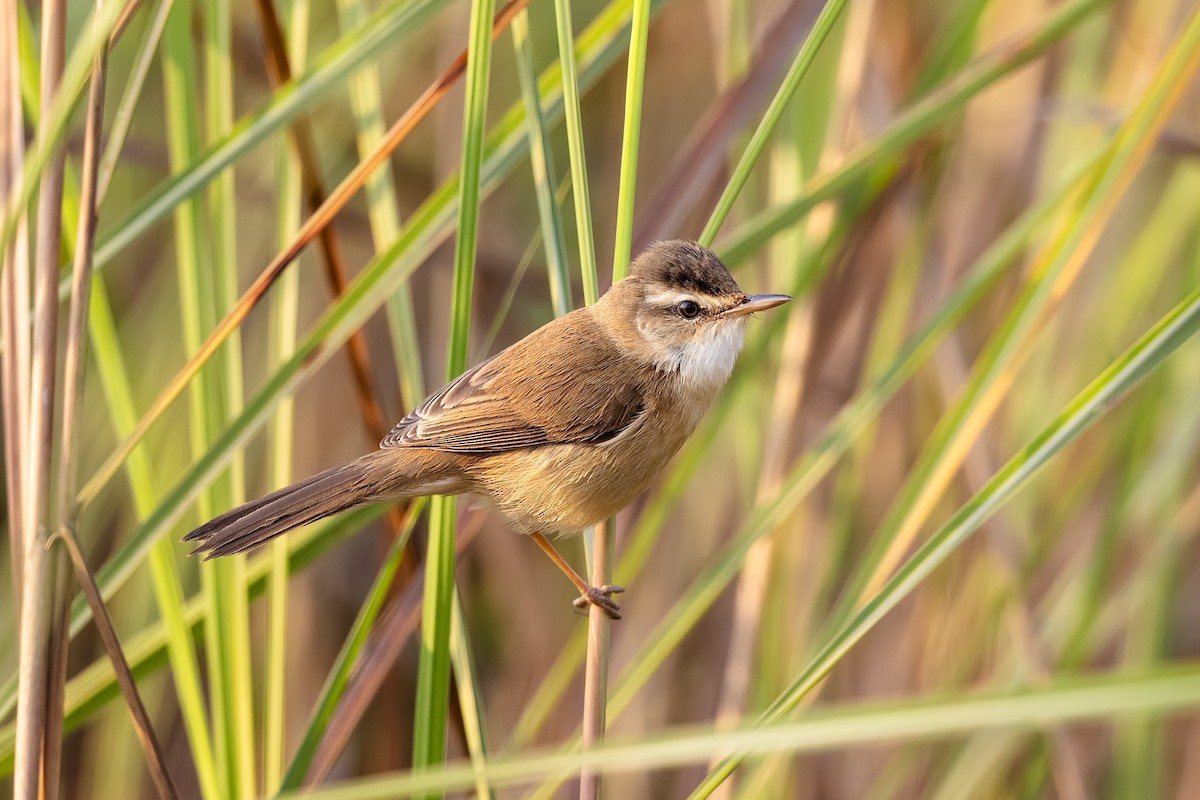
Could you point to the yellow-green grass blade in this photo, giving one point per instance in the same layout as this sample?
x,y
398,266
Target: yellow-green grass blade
x,y
1170,690
635,82
228,647
198,290
470,700
164,571
580,191
437,613
284,321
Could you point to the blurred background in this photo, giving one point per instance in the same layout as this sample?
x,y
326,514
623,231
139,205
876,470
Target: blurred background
x,y
931,146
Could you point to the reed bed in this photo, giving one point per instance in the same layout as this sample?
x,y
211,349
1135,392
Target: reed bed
x,y
937,538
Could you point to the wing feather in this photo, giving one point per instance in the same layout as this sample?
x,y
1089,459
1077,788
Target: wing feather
x,y
555,386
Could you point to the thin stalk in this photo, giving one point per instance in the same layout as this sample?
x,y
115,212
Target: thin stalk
x,y
151,748
470,700
74,365
224,398
38,576
123,117
285,308
433,675
14,297
595,672
635,81
574,123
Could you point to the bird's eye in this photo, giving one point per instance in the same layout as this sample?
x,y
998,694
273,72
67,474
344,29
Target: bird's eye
x,y
689,309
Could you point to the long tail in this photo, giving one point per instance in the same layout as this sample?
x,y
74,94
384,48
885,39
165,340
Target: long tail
x,y
384,474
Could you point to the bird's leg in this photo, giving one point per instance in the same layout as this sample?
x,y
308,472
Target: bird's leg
x,y
599,596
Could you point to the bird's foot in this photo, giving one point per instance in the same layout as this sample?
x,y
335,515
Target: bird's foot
x,y
601,597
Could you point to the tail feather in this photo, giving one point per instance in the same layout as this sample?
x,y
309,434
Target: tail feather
x,y
372,477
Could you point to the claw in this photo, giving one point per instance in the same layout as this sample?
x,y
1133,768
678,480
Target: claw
x,y
601,597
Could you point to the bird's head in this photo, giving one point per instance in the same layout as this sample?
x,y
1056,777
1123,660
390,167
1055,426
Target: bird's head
x,y
683,312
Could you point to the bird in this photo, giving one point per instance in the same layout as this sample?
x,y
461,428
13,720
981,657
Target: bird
x,y
558,431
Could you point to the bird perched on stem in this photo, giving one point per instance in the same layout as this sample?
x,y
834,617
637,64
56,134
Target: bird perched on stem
x,y
559,431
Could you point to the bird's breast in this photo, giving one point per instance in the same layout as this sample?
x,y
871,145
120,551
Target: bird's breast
x,y
564,488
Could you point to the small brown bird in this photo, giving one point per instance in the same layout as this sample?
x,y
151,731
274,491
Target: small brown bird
x,y
559,431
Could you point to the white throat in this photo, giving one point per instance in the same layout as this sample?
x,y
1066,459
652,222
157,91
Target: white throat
x,y
706,361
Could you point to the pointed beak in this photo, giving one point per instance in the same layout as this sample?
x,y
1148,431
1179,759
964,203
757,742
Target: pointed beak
x,y
757,302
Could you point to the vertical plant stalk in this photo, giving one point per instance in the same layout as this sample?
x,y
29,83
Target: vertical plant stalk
x,y
37,577
136,81
284,320
14,293
74,365
433,675
635,81
574,122
595,675
224,400
595,671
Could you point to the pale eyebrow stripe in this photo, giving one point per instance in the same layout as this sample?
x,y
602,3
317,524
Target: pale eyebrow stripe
x,y
672,297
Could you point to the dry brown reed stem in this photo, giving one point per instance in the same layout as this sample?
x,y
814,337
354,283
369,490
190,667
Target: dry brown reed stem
x,y
155,757
37,451
14,294
595,668
308,231
279,71
73,371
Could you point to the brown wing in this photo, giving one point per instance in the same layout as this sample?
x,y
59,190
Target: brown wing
x,y
555,386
